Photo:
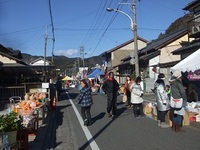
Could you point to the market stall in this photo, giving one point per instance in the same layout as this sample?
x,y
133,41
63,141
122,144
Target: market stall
x,y
30,108
190,63
95,74
95,79
190,68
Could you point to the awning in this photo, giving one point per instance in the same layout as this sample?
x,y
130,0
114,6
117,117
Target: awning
x,y
190,63
96,73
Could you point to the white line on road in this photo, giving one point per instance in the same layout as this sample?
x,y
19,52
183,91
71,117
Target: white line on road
x,y
88,135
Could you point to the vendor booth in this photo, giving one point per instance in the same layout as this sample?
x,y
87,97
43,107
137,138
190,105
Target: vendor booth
x,y
95,74
190,68
95,79
190,63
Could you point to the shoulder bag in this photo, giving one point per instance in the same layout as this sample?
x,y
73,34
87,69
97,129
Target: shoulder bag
x,y
176,103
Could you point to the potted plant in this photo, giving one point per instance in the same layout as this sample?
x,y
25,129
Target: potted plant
x,y
10,124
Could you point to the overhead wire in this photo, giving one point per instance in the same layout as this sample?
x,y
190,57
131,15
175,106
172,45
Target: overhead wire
x,y
91,28
98,22
20,31
101,37
31,37
109,24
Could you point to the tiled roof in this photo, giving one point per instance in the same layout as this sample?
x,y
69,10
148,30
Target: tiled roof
x,y
191,4
149,56
163,41
193,46
13,58
124,44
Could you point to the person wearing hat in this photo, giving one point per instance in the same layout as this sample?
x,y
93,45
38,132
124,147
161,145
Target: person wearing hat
x,y
162,100
177,92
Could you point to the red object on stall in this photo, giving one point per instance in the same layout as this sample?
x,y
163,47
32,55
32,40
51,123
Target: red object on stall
x,y
193,118
54,103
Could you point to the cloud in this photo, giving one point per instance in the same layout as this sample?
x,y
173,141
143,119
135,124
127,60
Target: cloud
x,y
67,53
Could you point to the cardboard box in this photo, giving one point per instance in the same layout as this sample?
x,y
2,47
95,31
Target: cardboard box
x,y
186,120
148,110
197,118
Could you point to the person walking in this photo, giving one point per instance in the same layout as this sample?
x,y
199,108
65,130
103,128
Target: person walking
x,y
127,90
177,92
58,86
162,100
136,98
111,88
85,101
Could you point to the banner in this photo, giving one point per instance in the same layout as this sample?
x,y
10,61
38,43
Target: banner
x,y
194,76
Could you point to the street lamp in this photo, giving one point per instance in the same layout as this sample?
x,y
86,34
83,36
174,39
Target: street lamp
x,y
134,29
117,10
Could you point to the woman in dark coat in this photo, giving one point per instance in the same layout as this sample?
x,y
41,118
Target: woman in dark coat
x,y
85,101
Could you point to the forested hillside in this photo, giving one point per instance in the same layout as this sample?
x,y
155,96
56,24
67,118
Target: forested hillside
x,y
64,63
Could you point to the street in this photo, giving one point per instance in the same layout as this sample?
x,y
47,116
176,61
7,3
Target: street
x,y
125,132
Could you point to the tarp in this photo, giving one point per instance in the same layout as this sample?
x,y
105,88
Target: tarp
x,y
96,73
67,78
190,63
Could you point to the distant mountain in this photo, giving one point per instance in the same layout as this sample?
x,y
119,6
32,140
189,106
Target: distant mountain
x,y
64,63
178,24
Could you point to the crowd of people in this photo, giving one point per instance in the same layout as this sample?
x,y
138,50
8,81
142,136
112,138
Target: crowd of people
x,y
134,93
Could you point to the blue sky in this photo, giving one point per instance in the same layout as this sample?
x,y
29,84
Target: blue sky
x,y
81,23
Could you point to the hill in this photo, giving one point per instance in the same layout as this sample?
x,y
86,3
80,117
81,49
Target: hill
x,y
64,63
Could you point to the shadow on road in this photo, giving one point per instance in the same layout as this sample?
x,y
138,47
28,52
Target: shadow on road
x,y
98,117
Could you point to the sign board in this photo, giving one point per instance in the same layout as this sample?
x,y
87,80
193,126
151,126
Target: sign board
x,y
45,85
194,76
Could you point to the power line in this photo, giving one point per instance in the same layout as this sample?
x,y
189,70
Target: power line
x,y
100,39
21,31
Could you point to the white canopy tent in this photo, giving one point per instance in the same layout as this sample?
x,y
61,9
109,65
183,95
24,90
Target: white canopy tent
x,y
190,63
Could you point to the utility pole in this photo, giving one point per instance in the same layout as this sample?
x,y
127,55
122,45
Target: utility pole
x,y
82,54
45,49
134,59
78,64
135,39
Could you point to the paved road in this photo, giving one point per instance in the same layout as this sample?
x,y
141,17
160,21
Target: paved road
x,y
125,132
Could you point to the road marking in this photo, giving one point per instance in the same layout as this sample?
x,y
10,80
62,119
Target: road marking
x,y
88,135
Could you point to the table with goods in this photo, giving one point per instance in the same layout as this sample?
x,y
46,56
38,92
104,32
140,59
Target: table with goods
x,y
29,110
